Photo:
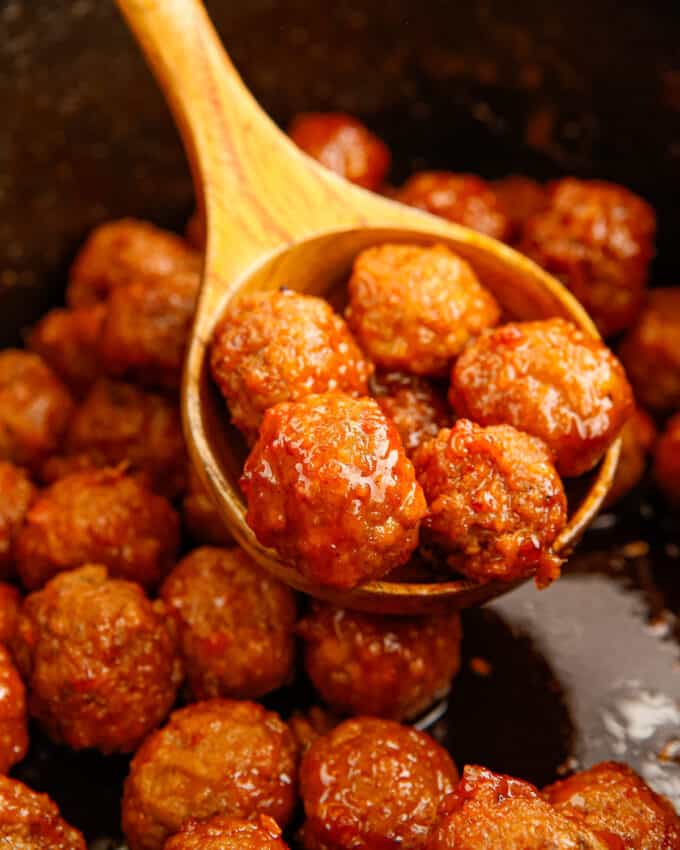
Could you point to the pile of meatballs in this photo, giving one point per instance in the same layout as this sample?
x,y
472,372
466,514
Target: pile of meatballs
x,y
421,421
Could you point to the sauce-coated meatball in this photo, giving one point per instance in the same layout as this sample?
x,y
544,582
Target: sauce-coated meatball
x,y
272,347
462,198
329,486
610,797
118,252
99,658
598,238
311,724
16,495
496,502
667,460
550,379
34,408
392,667
13,715
372,784
637,440
10,603
344,145
97,517
415,308
201,517
495,812
519,197
223,832
31,821
234,623
213,757
651,351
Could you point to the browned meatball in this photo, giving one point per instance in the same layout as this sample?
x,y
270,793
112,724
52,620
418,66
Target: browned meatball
x,y
234,622
98,517
34,408
651,351
462,198
417,407
10,603
31,821
329,486
194,232
16,495
495,812
117,422
118,252
213,757
392,667
415,308
550,379
223,832
667,460
280,346
99,658
519,197
13,715
309,725
344,145
68,341
610,797
598,238
201,517
496,502
637,440
372,784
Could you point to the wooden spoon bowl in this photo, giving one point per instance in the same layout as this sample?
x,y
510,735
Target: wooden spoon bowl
x,y
273,218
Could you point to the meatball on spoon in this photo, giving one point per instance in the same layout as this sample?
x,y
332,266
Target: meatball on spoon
x,y
274,217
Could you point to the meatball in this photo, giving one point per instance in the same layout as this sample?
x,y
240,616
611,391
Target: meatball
x,y
34,408
344,145
651,351
415,308
213,757
31,821
16,495
610,797
519,197
496,502
500,813
10,603
117,422
667,460
99,658
550,379
309,725
118,252
147,324
637,440
372,784
392,667
13,715
194,231
223,832
272,347
100,517
462,198
68,341
598,238
201,517
234,622
329,486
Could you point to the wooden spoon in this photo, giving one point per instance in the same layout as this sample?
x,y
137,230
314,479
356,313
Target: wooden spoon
x,y
273,216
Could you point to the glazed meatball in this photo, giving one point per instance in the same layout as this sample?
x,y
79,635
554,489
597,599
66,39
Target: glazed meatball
x,y
118,422
223,832
99,658
98,517
31,821
496,502
309,725
637,440
550,379
651,351
234,622
462,198
415,308
598,238
118,252
610,797
201,517
372,784
13,716
500,813
10,603
272,347
194,231
34,408
329,486
147,324
519,197
68,341
16,495
344,145
667,460
392,667
213,757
